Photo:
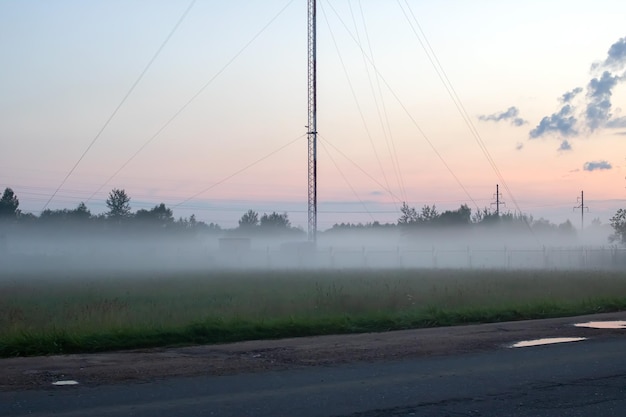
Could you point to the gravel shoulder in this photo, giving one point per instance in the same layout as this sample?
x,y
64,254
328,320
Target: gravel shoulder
x,y
255,356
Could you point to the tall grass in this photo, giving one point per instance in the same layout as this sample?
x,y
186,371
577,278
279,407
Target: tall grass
x,y
85,312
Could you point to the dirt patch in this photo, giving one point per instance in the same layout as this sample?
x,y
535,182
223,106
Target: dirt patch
x,y
255,356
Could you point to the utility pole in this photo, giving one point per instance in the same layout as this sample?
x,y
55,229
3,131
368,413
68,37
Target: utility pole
x,y
498,203
582,208
312,126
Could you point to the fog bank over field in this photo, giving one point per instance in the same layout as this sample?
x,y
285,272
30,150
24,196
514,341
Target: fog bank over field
x,y
153,240
63,248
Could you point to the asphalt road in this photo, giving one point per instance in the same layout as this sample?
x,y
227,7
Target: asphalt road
x,y
586,378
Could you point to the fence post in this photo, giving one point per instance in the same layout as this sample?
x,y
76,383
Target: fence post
x,y
509,258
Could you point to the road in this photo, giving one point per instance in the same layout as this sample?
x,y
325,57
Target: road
x,y
572,379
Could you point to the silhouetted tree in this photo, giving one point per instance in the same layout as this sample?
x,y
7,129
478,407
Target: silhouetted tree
x,y
118,204
566,228
158,215
618,223
249,220
9,205
408,215
275,221
429,214
458,217
80,213
485,216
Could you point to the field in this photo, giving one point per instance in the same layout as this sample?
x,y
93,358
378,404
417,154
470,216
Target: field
x,y
88,312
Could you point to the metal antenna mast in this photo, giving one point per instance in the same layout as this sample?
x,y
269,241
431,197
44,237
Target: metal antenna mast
x,y
312,126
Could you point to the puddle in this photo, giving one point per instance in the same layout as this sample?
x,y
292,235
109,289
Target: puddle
x,y
67,382
618,324
548,341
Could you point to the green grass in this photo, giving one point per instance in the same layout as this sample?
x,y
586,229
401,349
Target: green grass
x,y
96,312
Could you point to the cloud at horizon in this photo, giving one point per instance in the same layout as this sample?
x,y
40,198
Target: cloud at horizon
x,y
597,166
511,115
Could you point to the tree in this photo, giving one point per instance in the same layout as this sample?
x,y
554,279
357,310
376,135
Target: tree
x,y
81,212
118,204
249,220
618,223
485,216
408,215
9,205
567,229
160,215
429,214
275,221
460,216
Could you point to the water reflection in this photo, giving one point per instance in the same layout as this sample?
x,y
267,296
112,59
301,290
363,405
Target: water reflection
x,y
617,324
547,341
67,382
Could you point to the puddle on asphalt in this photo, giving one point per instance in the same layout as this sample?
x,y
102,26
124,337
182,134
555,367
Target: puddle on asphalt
x,y
67,382
618,324
547,341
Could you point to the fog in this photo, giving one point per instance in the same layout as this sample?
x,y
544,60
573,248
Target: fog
x,y
61,249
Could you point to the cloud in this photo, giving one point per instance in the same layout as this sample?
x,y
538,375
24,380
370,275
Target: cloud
x,y
565,146
597,101
596,165
617,55
519,146
617,123
621,133
511,114
376,193
569,96
599,93
562,123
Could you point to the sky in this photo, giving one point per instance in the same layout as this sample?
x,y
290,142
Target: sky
x,y
202,105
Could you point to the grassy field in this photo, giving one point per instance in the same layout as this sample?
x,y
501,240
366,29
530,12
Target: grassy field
x,y
87,312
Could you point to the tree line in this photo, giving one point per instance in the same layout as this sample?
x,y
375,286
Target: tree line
x,y
119,215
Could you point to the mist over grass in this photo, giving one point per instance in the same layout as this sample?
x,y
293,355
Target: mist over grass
x,y
101,283
86,311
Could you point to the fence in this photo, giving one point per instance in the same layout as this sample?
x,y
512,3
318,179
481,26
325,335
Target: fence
x,y
409,257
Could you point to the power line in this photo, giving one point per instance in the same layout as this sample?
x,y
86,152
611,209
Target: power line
x,y
385,125
356,100
132,88
209,82
441,73
409,115
360,169
347,182
239,171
